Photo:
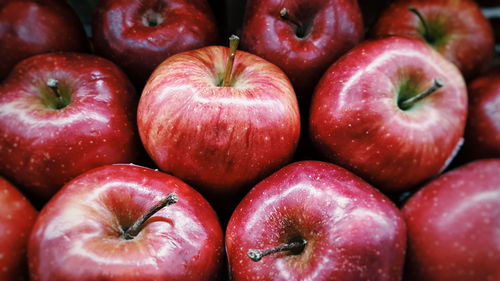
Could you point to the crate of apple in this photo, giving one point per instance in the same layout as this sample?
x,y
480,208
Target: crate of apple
x,y
339,140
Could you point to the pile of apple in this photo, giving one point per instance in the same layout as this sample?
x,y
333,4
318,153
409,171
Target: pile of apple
x,y
326,148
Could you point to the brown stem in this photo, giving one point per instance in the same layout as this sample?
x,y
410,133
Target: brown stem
x,y
422,20
53,84
295,246
285,14
134,230
233,46
405,104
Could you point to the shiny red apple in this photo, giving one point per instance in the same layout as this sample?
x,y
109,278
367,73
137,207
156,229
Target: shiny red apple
x,y
315,221
29,27
17,217
302,37
482,133
454,225
220,129
391,110
62,114
456,29
126,223
138,35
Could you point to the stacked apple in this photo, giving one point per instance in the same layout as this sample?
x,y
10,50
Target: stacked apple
x,y
223,125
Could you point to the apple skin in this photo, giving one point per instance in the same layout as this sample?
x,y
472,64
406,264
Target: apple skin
x,y
121,35
356,121
42,147
17,217
353,232
221,140
482,133
78,234
467,38
335,27
29,27
453,225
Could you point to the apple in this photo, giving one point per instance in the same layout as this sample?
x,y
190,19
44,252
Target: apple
x,y
453,226
456,29
62,114
123,223
17,217
218,129
29,27
302,37
392,111
482,132
139,35
313,220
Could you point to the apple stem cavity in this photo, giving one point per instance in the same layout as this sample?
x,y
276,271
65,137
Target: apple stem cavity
x,y
53,84
233,46
408,103
134,230
152,18
295,247
285,14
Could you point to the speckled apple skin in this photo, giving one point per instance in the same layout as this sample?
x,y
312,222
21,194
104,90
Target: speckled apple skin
x,y
468,41
335,27
30,27
454,225
119,32
78,235
482,132
353,232
43,148
220,139
357,123
17,217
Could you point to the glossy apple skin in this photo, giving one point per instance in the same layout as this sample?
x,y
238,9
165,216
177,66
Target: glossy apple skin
x,y
120,34
453,225
356,121
336,26
468,41
482,133
220,139
42,148
353,232
78,235
17,217
30,27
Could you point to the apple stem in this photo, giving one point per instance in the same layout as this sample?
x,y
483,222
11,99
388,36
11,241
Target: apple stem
x,y
233,46
53,84
422,20
285,14
405,104
134,230
295,246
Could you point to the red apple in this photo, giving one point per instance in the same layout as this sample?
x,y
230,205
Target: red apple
x,y
17,217
62,114
29,27
391,110
139,35
456,29
302,37
482,133
454,225
219,129
113,223
315,221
